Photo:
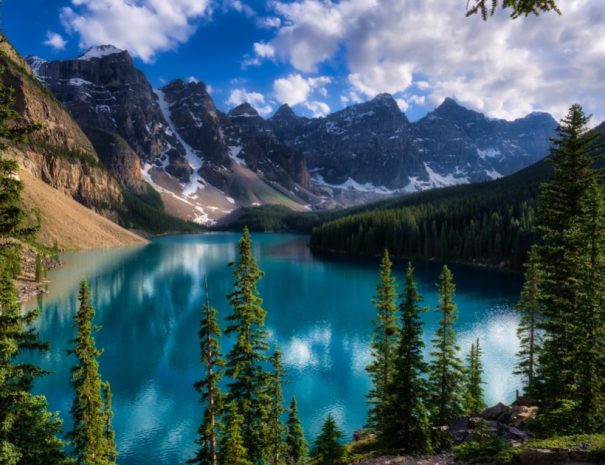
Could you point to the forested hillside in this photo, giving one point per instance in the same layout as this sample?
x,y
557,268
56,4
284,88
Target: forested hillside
x,y
489,223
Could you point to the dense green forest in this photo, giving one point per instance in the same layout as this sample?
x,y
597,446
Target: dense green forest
x,y
484,223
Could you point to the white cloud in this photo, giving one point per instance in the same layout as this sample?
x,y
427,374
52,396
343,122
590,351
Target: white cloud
x,y
318,108
55,40
256,99
144,28
295,89
402,104
193,79
269,22
264,50
502,67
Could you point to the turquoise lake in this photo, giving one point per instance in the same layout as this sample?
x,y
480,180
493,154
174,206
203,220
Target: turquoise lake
x,y
319,311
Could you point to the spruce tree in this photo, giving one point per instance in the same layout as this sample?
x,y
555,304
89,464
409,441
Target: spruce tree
x,y
589,331
446,373
328,449
39,269
408,427
209,386
275,452
13,217
28,431
474,402
296,445
233,450
245,360
383,344
527,331
563,252
92,437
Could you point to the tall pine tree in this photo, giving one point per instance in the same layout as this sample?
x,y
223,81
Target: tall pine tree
x,y
296,445
568,247
527,331
446,373
13,217
28,431
589,332
92,437
383,344
407,425
249,352
474,402
208,387
275,446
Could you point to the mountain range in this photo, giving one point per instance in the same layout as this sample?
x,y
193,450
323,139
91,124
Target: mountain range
x,y
207,163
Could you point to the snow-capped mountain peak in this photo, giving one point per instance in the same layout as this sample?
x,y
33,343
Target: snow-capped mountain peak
x,y
100,51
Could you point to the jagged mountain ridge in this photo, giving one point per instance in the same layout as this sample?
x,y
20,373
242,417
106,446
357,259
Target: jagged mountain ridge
x,y
178,134
215,162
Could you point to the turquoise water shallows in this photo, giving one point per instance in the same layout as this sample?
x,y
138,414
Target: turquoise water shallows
x,y
319,311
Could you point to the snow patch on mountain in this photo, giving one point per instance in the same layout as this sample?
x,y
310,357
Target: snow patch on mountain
x,y
99,52
438,180
234,152
192,156
351,185
35,63
488,153
493,174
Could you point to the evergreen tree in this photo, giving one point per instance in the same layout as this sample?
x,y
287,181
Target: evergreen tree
x,y
474,402
589,331
92,437
275,446
13,217
39,269
564,253
245,359
383,344
328,449
408,427
527,332
233,450
208,388
28,431
446,373
297,448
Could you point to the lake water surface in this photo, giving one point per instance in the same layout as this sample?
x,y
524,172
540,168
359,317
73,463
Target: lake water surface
x,y
319,311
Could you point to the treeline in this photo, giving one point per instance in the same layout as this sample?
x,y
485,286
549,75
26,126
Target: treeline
x,y
489,223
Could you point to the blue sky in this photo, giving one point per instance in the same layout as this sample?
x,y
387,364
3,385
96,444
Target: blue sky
x,y
321,55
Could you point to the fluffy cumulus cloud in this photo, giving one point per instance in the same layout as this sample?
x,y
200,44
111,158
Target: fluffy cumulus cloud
x,y
256,99
502,67
55,40
145,27
296,89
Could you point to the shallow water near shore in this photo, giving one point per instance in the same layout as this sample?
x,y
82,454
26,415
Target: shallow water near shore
x,y
319,312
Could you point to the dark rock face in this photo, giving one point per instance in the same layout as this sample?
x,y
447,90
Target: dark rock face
x,y
374,143
252,141
458,140
369,143
102,89
177,128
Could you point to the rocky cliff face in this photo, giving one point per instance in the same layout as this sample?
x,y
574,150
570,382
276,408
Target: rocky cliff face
x,y
372,147
103,90
59,153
